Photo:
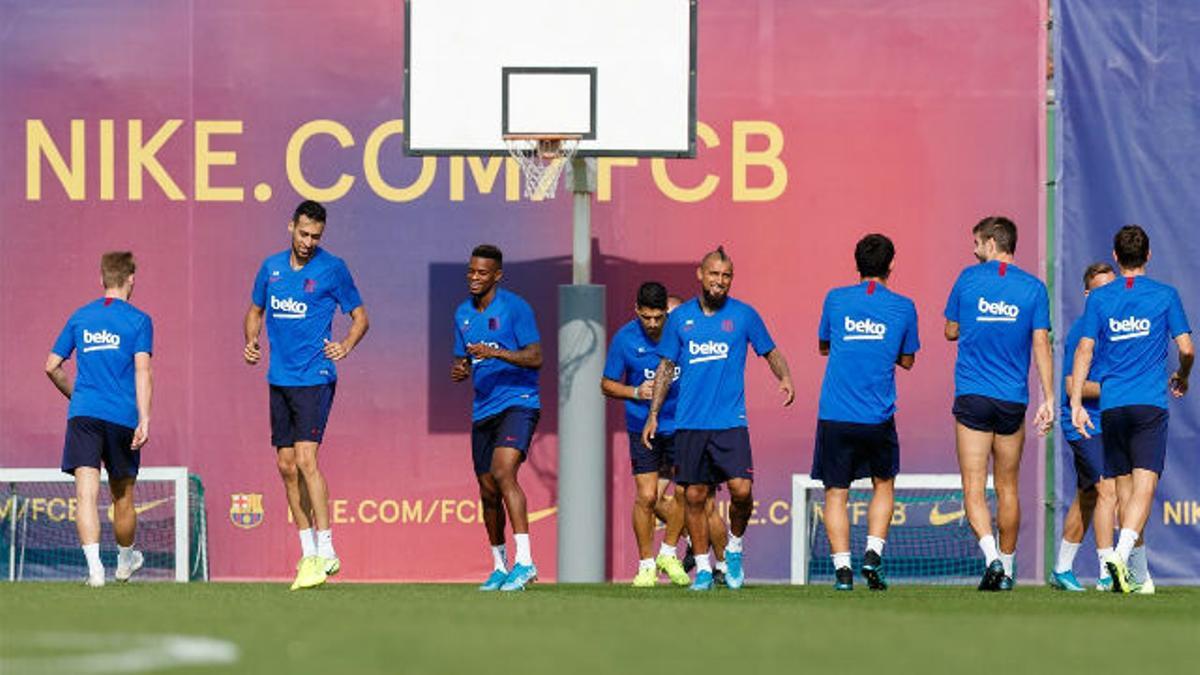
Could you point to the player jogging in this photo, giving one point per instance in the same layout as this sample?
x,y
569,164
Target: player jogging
x,y
707,337
297,291
1127,326
866,330
496,342
108,419
997,312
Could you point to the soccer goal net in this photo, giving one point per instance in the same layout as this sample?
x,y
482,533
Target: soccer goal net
x,y
37,526
929,542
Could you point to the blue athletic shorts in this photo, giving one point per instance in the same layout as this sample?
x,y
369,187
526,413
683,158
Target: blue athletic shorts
x,y
846,451
300,413
91,441
1136,439
1089,460
983,413
710,456
509,428
660,458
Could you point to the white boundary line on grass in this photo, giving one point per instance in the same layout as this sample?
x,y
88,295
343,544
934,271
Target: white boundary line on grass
x,y
117,653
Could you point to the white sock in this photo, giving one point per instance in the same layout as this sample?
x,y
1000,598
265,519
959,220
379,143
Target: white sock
x,y
1006,559
666,549
1066,556
1139,565
1125,544
875,544
646,564
841,560
720,566
92,553
499,558
734,545
1103,554
325,544
124,556
988,545
524,557
308,543
703,564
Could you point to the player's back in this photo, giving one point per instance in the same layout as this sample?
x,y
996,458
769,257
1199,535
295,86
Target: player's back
x,y
997,307
106,333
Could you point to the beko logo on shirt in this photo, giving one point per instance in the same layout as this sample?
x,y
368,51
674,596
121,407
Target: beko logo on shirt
x,y
997,311
288,308
650,374
707,351
1127,329
100,340
487,343
864,329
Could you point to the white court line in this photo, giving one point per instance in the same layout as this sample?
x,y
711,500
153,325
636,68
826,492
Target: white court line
x,y
117,653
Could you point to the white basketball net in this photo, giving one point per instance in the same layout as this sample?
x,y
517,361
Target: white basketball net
x,y
542,161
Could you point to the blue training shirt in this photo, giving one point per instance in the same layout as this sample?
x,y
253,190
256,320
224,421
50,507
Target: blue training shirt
x,y
632,359
1132,321
508,324
867,327
299,306
1091,405
998,306
107,333
710,352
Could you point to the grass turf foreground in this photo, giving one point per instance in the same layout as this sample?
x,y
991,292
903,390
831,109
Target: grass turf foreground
x,y
362,628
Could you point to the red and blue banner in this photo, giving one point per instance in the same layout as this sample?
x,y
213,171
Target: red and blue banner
x,y
188,132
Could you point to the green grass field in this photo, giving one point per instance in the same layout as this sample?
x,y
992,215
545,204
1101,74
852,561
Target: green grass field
x,y
353,628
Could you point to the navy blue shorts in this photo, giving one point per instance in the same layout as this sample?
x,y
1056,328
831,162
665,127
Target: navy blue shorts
x,y
1089,460
660,458
509,428
1135,437
709,456
847,451
983,413
91,441
300,413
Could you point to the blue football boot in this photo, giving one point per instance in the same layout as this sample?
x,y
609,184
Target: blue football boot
x,y
703,582
494,581
519,577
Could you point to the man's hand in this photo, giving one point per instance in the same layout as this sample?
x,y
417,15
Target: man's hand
x,y
252,353
140,435
1044,419
1081,421
460,370
789,392
336,351
1178,385
644,391
481,351
649,430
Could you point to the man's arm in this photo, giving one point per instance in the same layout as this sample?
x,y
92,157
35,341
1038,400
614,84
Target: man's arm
x,y
779,367
57,375
336,351
1187,355
906,361
144,384
823,347
613,389
1042,356
529,356
951,330
252,326
1091,390
662,384
1082,363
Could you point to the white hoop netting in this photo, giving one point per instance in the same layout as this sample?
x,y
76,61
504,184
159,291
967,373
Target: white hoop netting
x,y
542,160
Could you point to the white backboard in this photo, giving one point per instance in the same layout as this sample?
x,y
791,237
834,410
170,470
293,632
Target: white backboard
x,y
619,73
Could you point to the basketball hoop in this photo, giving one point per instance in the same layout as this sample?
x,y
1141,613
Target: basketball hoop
x,y
542,158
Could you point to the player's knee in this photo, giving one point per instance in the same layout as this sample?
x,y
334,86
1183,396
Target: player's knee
x,y
696,496
646,499
287,468
504,476
307,465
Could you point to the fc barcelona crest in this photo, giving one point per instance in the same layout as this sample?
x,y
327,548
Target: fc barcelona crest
x,y
246,511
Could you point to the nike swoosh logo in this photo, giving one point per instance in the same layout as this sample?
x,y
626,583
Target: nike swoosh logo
x,y
543,514
937,518
139,509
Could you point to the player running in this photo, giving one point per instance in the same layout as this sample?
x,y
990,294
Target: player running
x,y
629,372
866,331
108,419
496,341
1087,453
706,337
298,290
1133,320
997,312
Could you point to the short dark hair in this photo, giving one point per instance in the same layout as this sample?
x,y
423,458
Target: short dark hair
x,y
652,295
490,252
116,267
1000,230
1132,246
312,210
719,254
1094,270
873,255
